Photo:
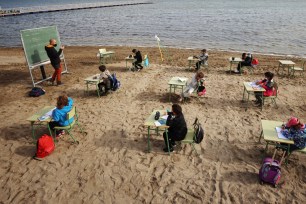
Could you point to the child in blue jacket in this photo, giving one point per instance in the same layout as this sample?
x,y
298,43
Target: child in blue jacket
x,y
63,106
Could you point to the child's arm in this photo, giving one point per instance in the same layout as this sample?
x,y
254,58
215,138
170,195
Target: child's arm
x,y
287,133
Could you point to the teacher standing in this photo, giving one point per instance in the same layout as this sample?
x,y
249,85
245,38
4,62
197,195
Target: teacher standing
x,y
54,56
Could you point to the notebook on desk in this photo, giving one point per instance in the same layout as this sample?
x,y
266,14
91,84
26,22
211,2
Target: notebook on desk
x,y
280,134
160,122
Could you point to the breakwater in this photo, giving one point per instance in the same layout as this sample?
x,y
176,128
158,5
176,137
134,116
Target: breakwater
x,y
66,7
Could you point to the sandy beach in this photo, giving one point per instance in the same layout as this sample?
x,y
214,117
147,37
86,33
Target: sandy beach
x,y
111,165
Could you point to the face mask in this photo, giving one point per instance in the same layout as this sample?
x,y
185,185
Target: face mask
x,y
55,45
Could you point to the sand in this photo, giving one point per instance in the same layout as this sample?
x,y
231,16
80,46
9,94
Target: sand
x,y
111,165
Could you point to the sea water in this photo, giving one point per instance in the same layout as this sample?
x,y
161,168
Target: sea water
x,y
264,26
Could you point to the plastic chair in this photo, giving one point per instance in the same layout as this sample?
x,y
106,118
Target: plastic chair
x,y
250,69
273,97
69,127
191,134
205,65
299,69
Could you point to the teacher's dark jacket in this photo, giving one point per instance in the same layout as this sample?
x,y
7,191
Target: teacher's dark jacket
x,y
54,56
177,126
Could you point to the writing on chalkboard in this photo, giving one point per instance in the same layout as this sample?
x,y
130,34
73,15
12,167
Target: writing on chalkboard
x,y
34,42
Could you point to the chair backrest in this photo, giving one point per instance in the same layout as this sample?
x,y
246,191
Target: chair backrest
x,y
71,113
102,50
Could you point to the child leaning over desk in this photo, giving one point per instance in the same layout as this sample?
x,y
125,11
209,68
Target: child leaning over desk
x,y
105,76
295,130
59,115
197,81
268,85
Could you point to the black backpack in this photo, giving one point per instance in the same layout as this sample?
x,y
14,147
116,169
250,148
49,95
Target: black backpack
x,y
199,131
36,91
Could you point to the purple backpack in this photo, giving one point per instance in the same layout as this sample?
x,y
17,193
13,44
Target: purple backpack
x,y
270,171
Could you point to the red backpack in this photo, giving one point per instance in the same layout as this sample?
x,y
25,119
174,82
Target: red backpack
x,y
255,62
45,146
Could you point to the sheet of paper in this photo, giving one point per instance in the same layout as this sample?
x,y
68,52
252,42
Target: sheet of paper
x,y
279,133
50,112
46,116
157,123
164,117
254,85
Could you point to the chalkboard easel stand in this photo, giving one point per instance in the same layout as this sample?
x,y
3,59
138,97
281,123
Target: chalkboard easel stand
x,y
43,73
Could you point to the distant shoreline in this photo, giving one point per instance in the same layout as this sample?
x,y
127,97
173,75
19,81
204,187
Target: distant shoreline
x,y
180,48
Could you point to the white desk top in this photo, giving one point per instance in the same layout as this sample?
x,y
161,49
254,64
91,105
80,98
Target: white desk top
x,y
191,58
180,81
251,88
286,62
236,59
150,121
91,78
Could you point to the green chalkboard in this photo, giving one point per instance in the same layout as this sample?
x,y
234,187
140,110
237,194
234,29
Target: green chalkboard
x,y
34,42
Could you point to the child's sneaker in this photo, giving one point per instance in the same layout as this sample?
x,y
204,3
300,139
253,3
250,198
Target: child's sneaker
x,y
61,132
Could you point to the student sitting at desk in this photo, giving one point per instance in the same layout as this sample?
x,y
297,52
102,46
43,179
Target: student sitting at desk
x,y
295,130
196,81
105,76
203,57
138,57
268,85
63,106
177,127
247,61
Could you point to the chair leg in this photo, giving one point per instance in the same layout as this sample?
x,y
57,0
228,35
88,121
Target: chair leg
x,y
194,149
260,136
74,140
80,127
54,138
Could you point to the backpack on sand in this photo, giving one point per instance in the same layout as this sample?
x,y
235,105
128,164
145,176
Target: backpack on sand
x,y
45,146
270,171
36,91
115,83
199,132
254,62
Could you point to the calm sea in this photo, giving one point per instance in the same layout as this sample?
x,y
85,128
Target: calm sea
x,y
264,26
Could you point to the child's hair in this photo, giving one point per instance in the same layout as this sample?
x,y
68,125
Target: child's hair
x,y
177,109
62,101
269,75
243,55
200,75
102,68
134,50
204,50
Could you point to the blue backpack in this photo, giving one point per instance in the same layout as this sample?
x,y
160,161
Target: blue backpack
x,y
115,82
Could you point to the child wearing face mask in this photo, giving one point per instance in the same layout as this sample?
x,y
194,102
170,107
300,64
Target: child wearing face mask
x,y
267,84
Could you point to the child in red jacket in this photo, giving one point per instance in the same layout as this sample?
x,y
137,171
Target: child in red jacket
x,y
268,85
